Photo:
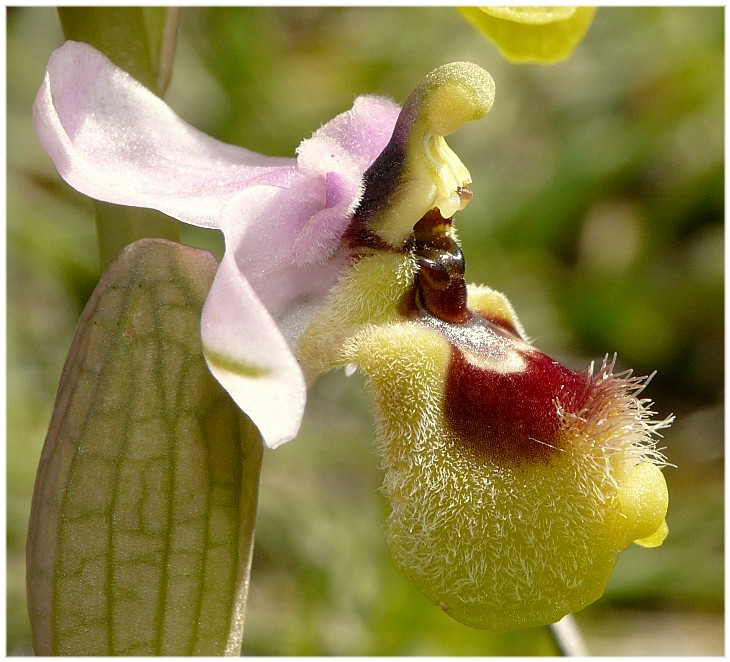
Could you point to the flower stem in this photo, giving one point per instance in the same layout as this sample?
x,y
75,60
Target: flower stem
x,y
128,36
567,637
140,40
117,226
167,49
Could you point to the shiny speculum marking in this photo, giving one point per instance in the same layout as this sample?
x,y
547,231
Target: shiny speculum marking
x,y
501,397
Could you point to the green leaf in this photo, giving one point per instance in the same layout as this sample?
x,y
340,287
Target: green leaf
x,y
144,506
532,34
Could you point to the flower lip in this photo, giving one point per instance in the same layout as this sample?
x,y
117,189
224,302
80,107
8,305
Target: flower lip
x,y
532,34
504,409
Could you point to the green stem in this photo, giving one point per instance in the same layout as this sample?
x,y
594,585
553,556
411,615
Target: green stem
x,y
167,49
141,41
129,36
567,637
117,226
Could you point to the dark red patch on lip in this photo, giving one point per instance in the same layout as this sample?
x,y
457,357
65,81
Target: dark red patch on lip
x,y
509,418
505,417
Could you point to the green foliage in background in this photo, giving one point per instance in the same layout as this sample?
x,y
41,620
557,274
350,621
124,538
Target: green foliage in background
x,y
598,210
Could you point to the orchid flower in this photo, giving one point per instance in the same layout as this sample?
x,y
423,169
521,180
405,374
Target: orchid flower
x,y
282,218
514,481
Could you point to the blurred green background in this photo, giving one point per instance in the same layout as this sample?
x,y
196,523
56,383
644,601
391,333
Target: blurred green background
x,y
598,209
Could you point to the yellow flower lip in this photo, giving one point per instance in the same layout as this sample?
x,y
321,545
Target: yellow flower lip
x,y
514,481
418,171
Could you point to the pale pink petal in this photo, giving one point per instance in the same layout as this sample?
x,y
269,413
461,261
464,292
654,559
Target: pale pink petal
x,y
283,219
341,184
286,240
112,139
340,152
364,130
247,354
261,226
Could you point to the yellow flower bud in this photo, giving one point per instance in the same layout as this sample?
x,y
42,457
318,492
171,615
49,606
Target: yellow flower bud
x,y
542,35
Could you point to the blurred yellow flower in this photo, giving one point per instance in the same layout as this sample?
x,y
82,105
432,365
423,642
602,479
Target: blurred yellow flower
x,y
524,35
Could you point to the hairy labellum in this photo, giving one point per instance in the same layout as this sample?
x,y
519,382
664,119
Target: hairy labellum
x,y
514,481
